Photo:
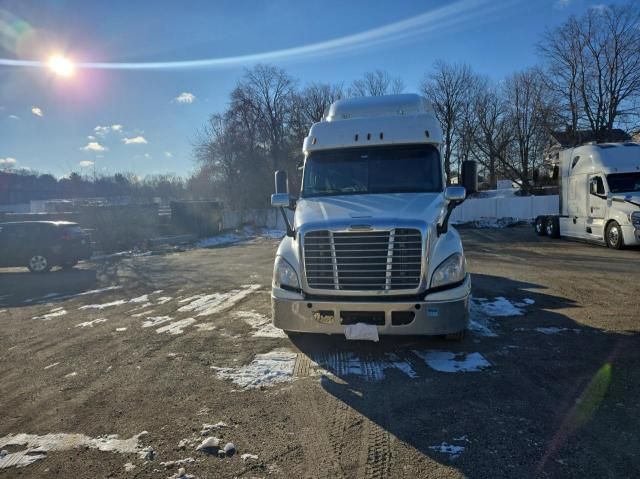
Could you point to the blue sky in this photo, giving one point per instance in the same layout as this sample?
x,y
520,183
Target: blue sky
x,y
48,123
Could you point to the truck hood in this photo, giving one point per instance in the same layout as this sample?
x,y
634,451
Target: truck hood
x,y
363,209
632,198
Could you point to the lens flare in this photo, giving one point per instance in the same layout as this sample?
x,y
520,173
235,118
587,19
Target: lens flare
x,y
61,66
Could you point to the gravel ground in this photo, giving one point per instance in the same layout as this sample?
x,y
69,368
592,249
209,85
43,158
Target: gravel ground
x,y
166,351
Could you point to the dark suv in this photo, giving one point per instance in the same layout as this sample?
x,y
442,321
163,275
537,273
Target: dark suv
x,y
40,245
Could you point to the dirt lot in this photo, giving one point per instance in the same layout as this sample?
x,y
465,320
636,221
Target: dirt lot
x,y
547,384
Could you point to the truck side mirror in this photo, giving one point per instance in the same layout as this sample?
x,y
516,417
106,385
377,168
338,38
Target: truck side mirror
x,y
282,200
455,194
281,197
469,174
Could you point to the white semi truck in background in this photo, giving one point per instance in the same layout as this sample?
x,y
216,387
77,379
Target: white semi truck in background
x,y
370,250
599,195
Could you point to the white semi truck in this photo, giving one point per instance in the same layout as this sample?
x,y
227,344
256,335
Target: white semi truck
x,y
599,195
370,247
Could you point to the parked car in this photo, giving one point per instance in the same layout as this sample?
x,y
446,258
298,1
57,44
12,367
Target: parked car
x,y
40,245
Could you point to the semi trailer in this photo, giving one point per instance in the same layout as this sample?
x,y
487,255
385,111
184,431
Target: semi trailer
x,y
370,248
599,195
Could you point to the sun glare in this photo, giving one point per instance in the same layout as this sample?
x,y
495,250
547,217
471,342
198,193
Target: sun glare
x,y
61,66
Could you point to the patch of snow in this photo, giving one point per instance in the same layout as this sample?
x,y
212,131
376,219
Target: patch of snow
x,y
220,240
361,332
71,375
163,299
54,313
121,330
209,304
144,313
265,370
52,365
177,327
90,292
178,462
36,447
490,223
371,369
528,301
140,299
262,325
246,457
205,327
448,362
500,306
555,330
103,305
207,428
91,323
480,327
156,320
128,467
446,448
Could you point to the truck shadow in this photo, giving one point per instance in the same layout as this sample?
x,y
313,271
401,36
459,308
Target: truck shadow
x,y
544,397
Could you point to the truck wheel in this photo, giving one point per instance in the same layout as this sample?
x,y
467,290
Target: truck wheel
x,y
613,236
38,264
553,227
458,336
541,225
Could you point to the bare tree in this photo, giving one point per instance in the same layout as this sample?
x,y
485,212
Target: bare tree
x,y
593,64
530,118
376,83
448,88
268,91
492,132
309,106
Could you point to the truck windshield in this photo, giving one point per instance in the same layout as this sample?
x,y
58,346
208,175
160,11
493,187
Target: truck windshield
x,y
624,182
382,169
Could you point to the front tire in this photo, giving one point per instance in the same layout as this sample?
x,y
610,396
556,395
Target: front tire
x,y
39,263
541,225
553,227
613,236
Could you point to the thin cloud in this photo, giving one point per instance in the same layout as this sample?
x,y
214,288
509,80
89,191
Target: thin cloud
x,y
185,97
136,140
8,161
94,146
37,111
147,156
168,154
104,130
86,163
430,22
14,117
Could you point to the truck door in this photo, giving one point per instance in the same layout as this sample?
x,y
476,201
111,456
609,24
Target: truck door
x,y
596,206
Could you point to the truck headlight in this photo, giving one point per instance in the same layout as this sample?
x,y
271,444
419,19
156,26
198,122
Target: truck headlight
x,y
451,270
284,275
634,218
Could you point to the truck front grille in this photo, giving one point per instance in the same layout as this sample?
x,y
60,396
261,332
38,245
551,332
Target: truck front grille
x,y
363,261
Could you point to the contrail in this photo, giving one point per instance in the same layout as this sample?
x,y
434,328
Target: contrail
x,y
432,21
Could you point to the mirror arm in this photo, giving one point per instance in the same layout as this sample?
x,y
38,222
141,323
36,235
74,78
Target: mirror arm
x,y
444,227
290,231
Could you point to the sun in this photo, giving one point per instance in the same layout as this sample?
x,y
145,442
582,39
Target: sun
x,y
61,66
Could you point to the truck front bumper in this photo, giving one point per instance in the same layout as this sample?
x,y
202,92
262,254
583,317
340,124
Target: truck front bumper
x,y
444,312
631,235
